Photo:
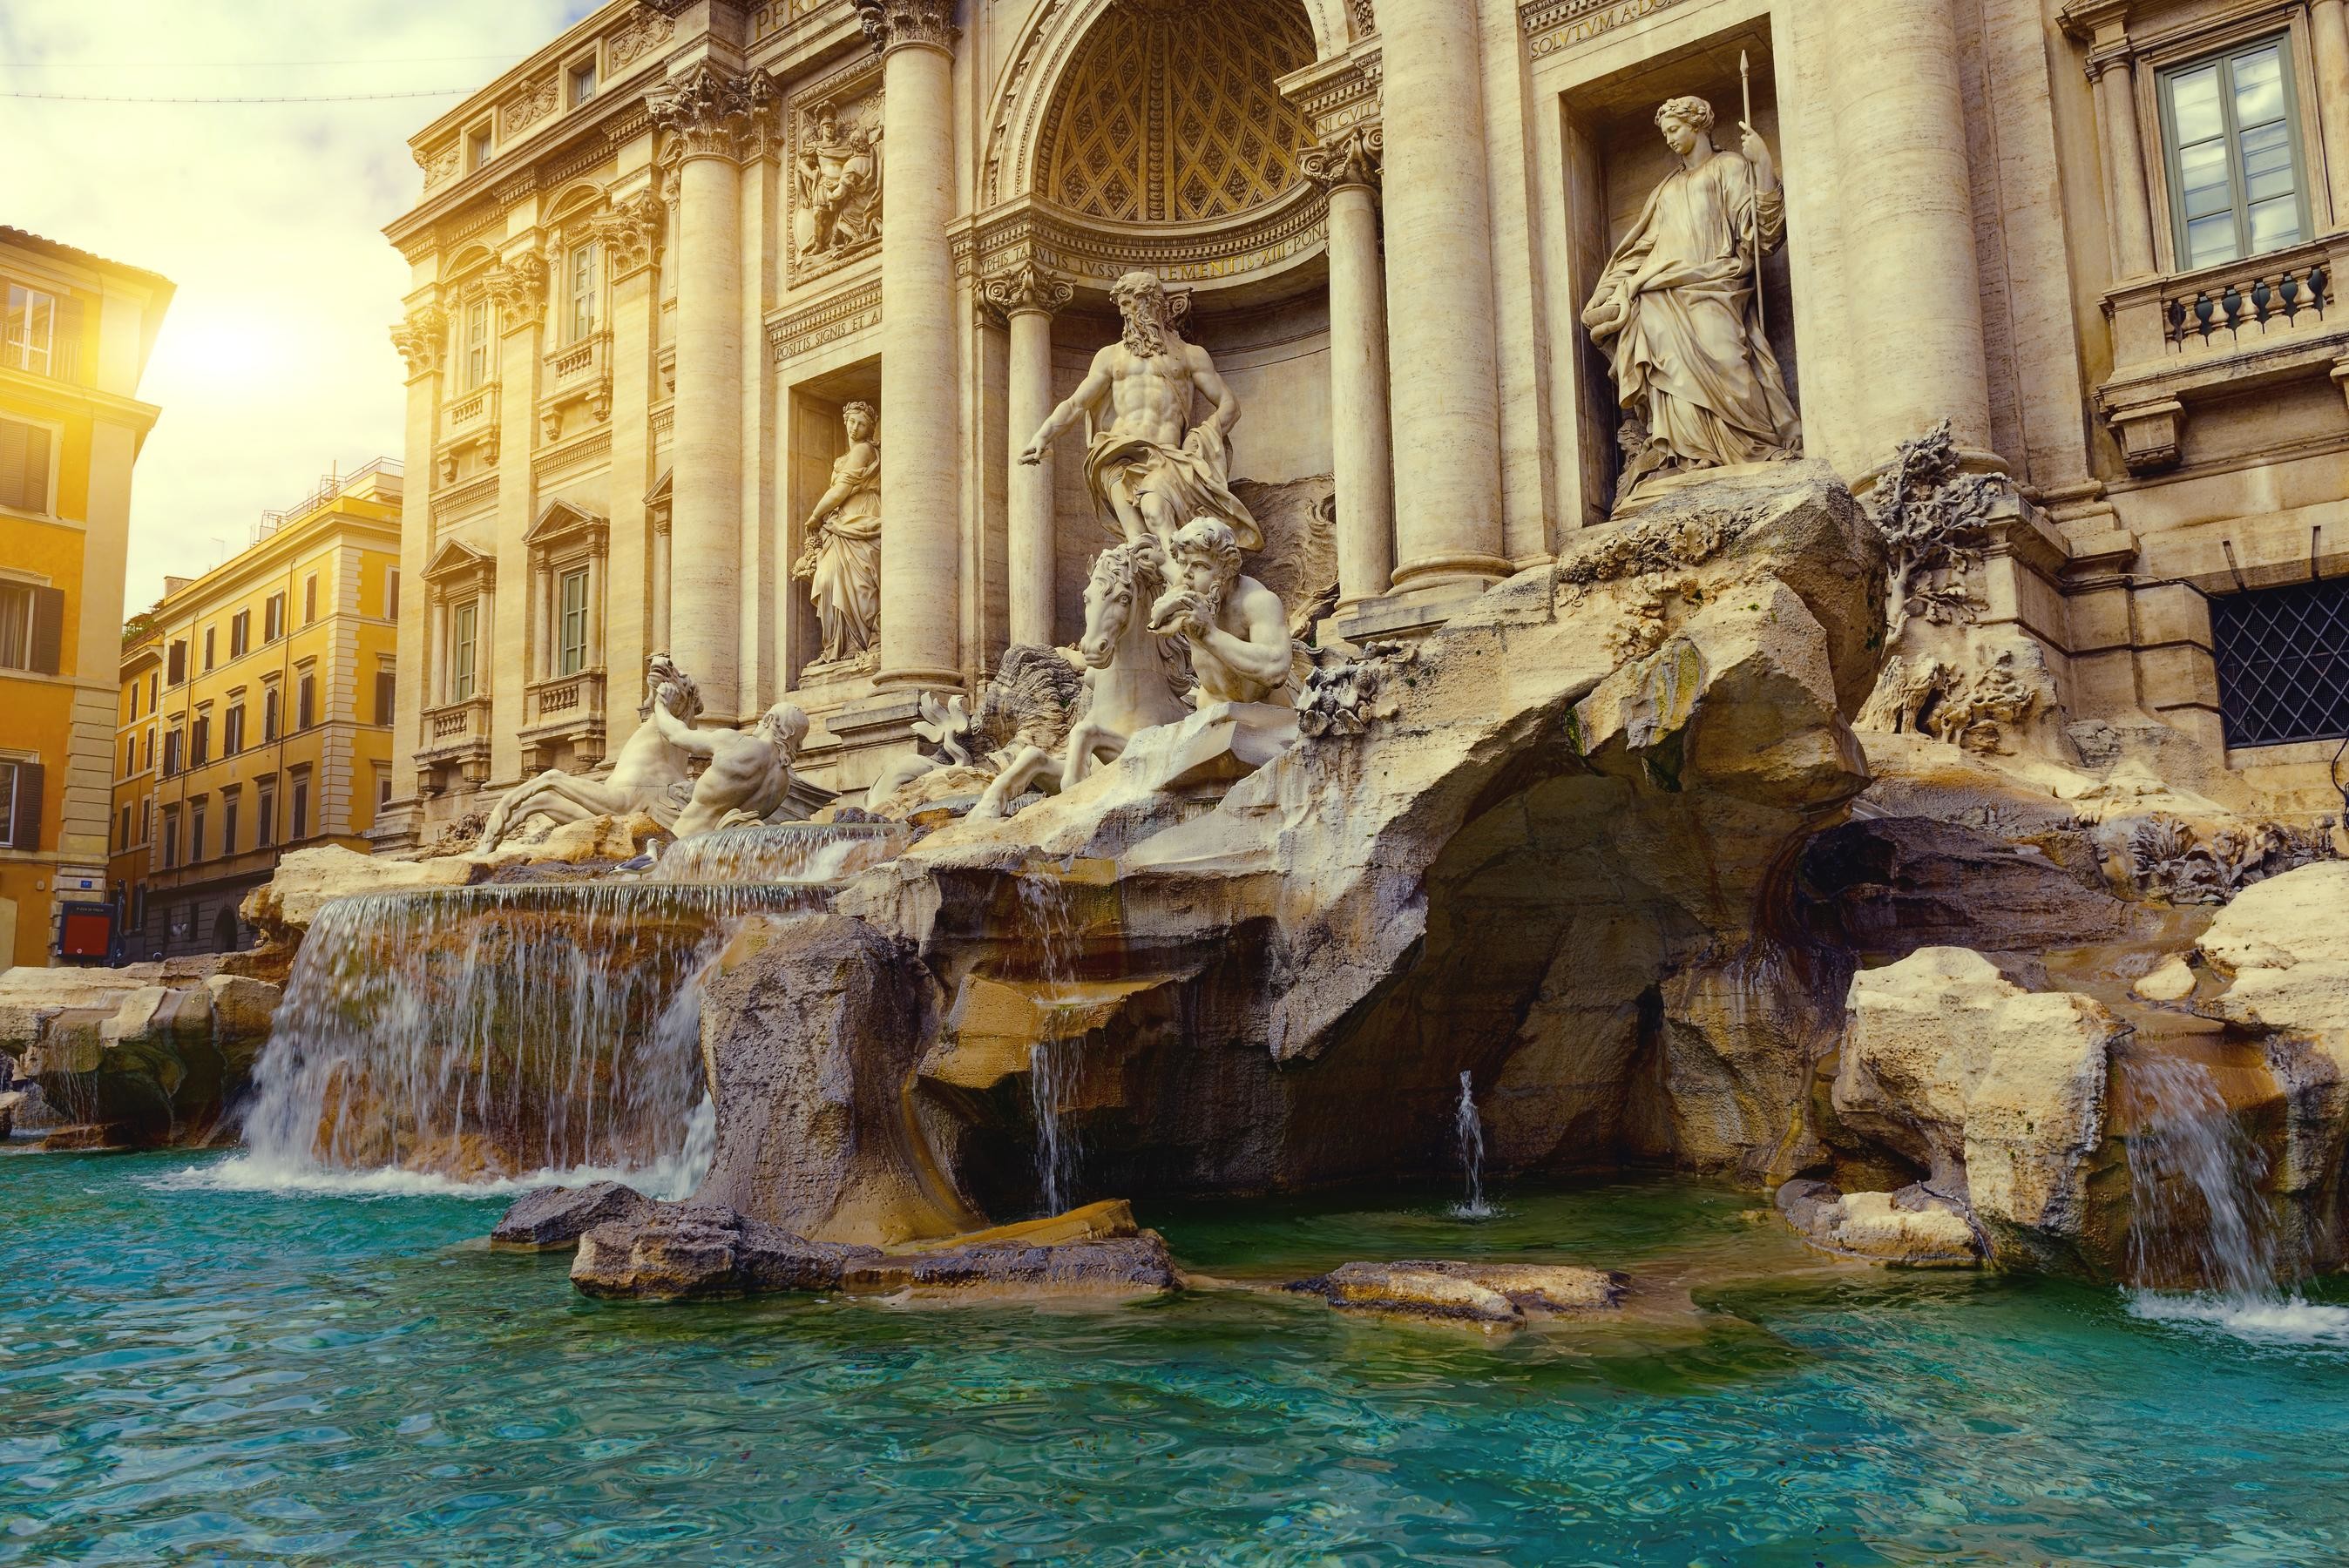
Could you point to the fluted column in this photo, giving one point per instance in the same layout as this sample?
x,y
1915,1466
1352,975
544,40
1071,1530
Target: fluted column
x,y
713,113
2125,158
658,640
1361,454
1445,346
1029,298
2328,25
1915,312
921,542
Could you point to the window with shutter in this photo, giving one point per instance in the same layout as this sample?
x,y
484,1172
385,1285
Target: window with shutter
x,y
273,618
269,716
240,634
49,631
171,837
211,636
199,741
391,594
385,694
65,351
307,705
309,599
28,328
195,832
177,662
23,466
15,625
229,802
9,806
300,821
232,731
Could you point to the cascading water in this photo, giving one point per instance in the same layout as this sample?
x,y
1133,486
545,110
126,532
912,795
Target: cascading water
x,y
1052,1063
1470,1128
494,1033
2201,1248
782,853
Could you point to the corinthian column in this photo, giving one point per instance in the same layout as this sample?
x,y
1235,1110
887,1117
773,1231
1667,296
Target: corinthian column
x,y
1360,452
1444,344
712,112
921,544
2125,158
1915,328
1029,298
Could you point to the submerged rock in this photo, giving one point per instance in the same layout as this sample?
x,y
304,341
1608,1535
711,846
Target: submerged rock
x,y
553,1219
1910,1229
1493,1295
675,1252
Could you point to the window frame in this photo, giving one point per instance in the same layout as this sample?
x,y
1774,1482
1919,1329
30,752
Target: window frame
x,y
570,655
464,653
10,359
9,806
2223,54
55,433
478,329
583,266
23,662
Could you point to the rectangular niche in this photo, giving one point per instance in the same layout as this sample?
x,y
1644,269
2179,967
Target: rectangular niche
x,y
1614,157
813,442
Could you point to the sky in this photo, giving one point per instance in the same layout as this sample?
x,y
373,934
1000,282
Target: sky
x,y
274,365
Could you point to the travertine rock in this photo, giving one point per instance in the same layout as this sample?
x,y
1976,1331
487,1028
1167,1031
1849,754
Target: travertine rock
x,y
1998,1092
153,1053
551,1219
698,1251
1911,1228
283,907
1497,1295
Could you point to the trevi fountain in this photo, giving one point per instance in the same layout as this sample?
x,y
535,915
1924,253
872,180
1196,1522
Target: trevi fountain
x,y
1696,1056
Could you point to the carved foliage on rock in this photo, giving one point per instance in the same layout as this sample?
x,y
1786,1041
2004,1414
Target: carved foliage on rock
x,y
2170,858
1348,697
1935,520
1983,705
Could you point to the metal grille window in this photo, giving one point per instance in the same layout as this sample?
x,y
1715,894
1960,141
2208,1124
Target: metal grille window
x,y
2283,663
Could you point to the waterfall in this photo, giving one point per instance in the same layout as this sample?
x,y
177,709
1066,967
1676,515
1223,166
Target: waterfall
x,y
493,1034
1054,1064
2201,1248
782,853
1470,1128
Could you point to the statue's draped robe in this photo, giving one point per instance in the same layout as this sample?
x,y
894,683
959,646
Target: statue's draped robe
x,y
1690,360
847,586
1194,478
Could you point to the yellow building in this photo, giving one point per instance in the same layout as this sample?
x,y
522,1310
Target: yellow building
x,y
76,330
254,714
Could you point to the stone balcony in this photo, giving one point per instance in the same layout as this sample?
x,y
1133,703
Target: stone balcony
x,y
565,723
456,736
2221,331
467,422
579,374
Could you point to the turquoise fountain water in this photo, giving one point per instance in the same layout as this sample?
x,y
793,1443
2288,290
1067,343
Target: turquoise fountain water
x,y
207,1377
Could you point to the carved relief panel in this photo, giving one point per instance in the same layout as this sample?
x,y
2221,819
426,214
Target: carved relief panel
x,y
832,184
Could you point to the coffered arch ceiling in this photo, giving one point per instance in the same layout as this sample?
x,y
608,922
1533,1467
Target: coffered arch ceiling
x,y
1169,113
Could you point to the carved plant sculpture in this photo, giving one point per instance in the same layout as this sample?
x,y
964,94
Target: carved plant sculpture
x,y
2169,860
1935,521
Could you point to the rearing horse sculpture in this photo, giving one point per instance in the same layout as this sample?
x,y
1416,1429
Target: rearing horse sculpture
x,y
1135,678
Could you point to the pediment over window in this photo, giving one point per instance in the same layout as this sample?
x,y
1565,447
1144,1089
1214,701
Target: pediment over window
x,y
562,522
457,562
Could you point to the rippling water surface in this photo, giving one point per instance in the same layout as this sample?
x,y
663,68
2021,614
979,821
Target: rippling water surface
x,y
194,1374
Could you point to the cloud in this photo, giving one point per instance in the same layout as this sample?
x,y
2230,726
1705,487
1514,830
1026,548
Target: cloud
x,y
274,364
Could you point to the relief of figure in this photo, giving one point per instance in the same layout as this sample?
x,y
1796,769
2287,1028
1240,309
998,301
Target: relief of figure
x,y
1236,627
1678,313
839,179
640,777
841,562
1148,467
748,772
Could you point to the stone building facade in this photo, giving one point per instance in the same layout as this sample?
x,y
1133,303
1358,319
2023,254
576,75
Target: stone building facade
x,y
76,330
656,264
254,715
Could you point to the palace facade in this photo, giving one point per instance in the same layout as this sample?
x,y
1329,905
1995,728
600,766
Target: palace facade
x,y
657,264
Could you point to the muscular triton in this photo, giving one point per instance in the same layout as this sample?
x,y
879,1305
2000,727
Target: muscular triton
x,y
1148,468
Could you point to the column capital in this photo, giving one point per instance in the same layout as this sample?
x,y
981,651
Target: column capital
x,y
518,286
715,112
423,338
630,232
1026,289
1355,155
893,24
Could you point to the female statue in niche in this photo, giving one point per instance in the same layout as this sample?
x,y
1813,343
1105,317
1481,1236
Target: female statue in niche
x,y
1677,311
842,564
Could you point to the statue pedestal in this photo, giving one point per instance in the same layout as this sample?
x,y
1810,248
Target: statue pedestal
x,y
1657,487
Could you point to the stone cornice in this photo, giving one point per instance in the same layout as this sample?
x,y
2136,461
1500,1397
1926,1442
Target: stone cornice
x,y
908,24
714,112
1335,95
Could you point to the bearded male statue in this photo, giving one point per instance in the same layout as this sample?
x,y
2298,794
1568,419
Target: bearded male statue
x,y
1236,627
748,772
1147,466
1677,313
